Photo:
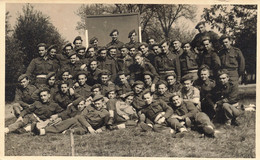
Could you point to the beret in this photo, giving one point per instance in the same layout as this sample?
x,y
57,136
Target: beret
x,y
97,98
204,66
200,23
150,37
222,71
131,93
91,41
66,45
52,46
121,73
49,75
80,73
96,86
90,46
176,40
112,47
138,83
80,48
41,45
186,77
114,30
148,73
205,38
43,89
224,36
77,38
161,82
21,77
123,46
155,44
109,89
131,46
143,44
170,74
71,53
104,72
131,32
101,49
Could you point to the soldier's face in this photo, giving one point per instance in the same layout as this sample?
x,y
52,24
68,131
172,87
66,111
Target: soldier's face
x,y
45,96
124,52
151,41
114,36
104,79
171,80
132,37
24,82
165,47
64,88
147,79
132,52
73,59
53,52
129,100
176,45
103,53
122,78
138,60
223,79
187,85
81,52
144,49
204,75
82,79
51,81
81,105
138,88
111,95
226,43
65,76
207,45
96,91
78,43
68,49
186,47
42,51
157,50
162,89
176,101
98,104
93,65
91,52
95,42
148,98
112,53
201,28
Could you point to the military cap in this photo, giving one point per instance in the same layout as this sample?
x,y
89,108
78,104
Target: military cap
x,y
224,36
143,44
66,45
184,43
104,72
112,47
110,89
205,38
71,53
138,83
148,73
200,23
131,93
91,41
43,89
41,45
52,46
77,38
164,41
90,46
96,86
161,82
101,49
114,30
123,46
131,32
146,91
222,71
176,40
186,77
170,74
21,77
81,73
80,48
97,98
131,46
155,44
121,73
204,66
150,37
49,75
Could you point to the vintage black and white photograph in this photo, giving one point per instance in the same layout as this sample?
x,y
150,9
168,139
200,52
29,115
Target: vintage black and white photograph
x,y
130,80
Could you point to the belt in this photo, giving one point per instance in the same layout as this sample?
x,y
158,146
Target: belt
x,y
41,76
166,71
191,71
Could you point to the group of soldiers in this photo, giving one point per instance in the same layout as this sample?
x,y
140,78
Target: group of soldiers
x,y
164,87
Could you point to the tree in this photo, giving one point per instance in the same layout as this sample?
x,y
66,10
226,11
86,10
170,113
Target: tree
x,y
33,28
238,21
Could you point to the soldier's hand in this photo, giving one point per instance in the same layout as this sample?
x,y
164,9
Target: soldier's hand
x,y
98,130
71,91
91,130
19,119
82,67
161,120
69,105
126,117
53,117
153,88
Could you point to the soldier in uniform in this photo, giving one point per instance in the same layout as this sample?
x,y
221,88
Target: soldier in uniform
x,y
124,60
41,66
197,40
52,53
93,72
231,59
138,102
156,49
132,50
77,42
83,89
132,36
73,65
172,84
123,86
23,95
167,62
94,42
104,79
81,54
176,45
115,42
162,92
146,53
148,81
226,98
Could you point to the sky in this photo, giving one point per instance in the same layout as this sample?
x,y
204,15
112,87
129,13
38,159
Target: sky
x,y
64,18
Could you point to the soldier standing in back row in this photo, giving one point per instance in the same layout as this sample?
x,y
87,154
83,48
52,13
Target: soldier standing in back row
x,y
115,42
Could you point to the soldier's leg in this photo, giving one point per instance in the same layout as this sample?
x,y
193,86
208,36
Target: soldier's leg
x,y
62,126
175,124
203,123
17,108
19,124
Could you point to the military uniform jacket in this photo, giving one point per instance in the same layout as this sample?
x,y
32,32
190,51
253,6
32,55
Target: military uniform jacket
x,y
73,68
188,61
24,96
107,64
211,59
116,43
176,87
165,97
232,59
138,102
227,93
93,76
168,62
65,99
69,113
84,91
123,88
187,109
155,108
197,41
39,66
205,88
106,87
42,110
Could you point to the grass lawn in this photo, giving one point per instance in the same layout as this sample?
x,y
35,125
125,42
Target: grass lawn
x,y
231,142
